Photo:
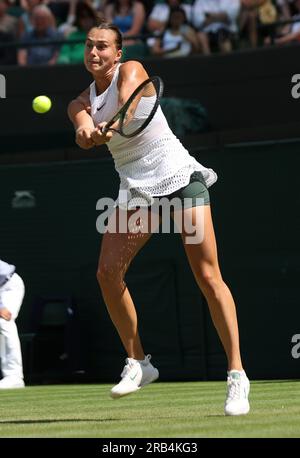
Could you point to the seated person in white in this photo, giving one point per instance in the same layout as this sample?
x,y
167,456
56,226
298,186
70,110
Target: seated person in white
x,y
160,15
178,39
215,22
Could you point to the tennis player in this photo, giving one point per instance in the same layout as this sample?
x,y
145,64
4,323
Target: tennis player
x,y
153,163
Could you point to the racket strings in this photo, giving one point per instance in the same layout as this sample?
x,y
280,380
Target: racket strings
x,y
140,109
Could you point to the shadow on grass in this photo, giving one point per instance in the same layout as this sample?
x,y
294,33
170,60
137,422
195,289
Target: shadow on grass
x,y
65,420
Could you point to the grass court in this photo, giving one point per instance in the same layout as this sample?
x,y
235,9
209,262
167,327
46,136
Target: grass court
x,y
186,409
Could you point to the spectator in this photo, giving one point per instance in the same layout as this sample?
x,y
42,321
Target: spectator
x,y
216,23
128,15
285,10
85,19
11,298
8,23
160,14
178,39
15,9
293,36
43,30
283,7
25,21
68,26
59,9
252,13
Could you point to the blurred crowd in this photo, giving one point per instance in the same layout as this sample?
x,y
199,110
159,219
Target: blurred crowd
x,y
166,28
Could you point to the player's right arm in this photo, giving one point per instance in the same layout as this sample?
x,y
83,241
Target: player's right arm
x,y
78,112
87,135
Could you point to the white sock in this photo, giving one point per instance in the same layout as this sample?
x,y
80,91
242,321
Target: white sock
x,y
235,370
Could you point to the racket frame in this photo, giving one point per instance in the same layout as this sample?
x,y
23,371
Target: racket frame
x,y
121,113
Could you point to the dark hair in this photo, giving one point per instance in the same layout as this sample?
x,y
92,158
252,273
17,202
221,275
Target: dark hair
x,y
114,28
176,9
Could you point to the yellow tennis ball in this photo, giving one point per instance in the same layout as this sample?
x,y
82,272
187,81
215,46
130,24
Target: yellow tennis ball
x,y
41,104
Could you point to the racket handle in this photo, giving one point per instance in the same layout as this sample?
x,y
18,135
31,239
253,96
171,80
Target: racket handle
x,y
107,127
104,129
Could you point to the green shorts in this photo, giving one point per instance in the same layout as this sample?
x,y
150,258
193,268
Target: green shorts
x,y
196,189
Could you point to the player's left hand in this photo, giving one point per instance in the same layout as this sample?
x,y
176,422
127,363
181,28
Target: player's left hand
x,y
98,137
83,137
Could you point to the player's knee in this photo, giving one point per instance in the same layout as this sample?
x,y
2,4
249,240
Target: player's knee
x,y
210,280
103,275
107,276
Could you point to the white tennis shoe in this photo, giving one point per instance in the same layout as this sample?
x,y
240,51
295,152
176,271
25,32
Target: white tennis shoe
x,y
135,375
238,387
11,382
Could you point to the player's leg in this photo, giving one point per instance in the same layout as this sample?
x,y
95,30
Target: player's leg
x,y
203,260
11,356
204,264
117,251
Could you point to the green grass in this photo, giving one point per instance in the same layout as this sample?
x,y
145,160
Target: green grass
x,y
193,409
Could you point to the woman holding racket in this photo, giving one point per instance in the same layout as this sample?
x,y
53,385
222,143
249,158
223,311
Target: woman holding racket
x,y
151,163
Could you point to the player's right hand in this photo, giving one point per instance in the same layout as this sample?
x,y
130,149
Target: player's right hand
x,y
83,137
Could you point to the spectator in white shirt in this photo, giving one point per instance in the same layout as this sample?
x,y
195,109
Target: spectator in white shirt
x,y
179,39
160,14
216,23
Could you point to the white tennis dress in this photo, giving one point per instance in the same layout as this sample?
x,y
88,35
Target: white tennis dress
x,y
154,162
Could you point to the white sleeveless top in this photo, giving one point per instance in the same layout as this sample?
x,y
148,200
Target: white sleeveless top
x,y
154,162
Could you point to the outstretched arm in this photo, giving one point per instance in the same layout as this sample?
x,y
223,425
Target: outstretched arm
x,y
78,112
86,135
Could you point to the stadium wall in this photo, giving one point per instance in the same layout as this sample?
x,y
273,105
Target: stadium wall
x,y
248,97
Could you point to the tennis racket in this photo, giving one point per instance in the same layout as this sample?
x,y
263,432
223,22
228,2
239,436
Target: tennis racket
x,y
139,109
